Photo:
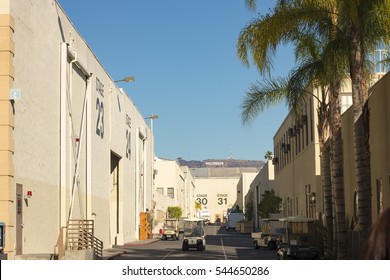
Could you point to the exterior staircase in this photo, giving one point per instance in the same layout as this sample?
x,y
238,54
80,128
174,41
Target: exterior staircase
x,y
77,241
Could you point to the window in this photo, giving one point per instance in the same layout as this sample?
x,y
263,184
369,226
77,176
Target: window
x,y
160,190
378,57
171,192
346,102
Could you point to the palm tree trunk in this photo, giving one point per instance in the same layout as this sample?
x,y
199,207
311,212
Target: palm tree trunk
x,y
361,136
323,133
327,189
338,170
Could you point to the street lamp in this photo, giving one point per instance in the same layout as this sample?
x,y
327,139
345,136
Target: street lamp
x,y
152,117
126,79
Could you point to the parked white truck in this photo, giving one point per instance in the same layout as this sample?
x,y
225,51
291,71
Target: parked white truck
x,y
233,218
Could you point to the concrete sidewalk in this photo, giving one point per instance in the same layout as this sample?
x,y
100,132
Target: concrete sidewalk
x,y
118,250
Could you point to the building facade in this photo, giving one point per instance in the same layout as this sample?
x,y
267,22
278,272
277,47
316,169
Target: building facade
x,y
297,160
72,144
379,133
264,181
220,189
173,186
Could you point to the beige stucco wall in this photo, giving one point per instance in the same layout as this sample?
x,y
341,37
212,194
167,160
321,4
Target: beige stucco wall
x,y
189,193
216,195
71,119
243,187
294,174
171,175
379,102
7,122
264,181
349,163
297,169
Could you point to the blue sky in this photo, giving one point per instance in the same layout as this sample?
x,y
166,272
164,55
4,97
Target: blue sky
x,y
183,56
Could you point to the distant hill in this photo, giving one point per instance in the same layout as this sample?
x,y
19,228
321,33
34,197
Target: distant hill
x,y
225,163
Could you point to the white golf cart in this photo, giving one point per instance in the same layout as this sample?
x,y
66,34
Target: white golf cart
x,y
170,229
194,235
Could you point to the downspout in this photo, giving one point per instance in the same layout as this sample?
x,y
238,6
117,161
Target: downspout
x,y
137,183
89,150
63,132
144,173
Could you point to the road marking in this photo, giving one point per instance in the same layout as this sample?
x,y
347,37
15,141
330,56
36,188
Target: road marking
x,y
167,255
223,249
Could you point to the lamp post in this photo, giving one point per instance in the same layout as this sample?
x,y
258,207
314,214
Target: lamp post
x,y
152,117
126,79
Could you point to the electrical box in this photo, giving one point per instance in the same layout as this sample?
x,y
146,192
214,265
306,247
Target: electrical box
x,y
2,237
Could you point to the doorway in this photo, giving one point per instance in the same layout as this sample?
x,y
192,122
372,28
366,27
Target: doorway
x,y
114,198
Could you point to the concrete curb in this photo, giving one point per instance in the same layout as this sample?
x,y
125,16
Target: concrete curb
x,y
118,250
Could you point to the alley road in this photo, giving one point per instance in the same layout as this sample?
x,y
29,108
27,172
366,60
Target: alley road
x,y
221,245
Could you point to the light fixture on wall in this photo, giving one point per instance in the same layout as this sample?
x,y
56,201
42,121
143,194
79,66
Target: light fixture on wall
x,y
312,197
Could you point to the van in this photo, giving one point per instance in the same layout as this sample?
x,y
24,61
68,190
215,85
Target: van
x,y
233,218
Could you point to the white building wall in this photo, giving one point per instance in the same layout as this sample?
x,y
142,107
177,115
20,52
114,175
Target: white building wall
x,y
242,189
160,210
264,181
171,175
69,100
216,195
189,193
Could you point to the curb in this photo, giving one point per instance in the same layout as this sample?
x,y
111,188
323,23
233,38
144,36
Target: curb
x,y
137,244
130,244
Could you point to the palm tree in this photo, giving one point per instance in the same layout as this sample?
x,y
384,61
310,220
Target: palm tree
x,y
365,23
317,66
268,155
359,26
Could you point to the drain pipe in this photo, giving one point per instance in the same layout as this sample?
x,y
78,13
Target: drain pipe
x,y
63,132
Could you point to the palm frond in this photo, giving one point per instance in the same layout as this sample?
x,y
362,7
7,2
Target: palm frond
x,y
250,4
261,96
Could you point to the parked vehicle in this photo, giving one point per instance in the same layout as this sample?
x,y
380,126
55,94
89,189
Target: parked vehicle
x,y
233,218
269,237
170,229
265,240
302,239
194,235
205,215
